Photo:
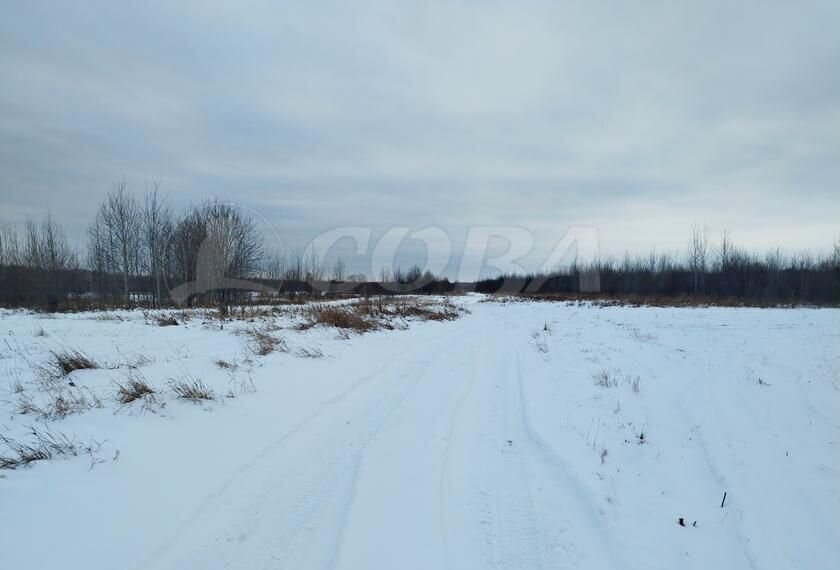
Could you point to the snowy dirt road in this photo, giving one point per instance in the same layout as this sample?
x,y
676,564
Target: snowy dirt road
x,y
521,436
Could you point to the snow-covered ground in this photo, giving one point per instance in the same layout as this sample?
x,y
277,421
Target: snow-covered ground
x,y
522,435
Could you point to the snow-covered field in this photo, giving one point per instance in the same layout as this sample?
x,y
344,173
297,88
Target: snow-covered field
x,y
522,435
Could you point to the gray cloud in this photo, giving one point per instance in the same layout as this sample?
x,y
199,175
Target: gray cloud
x,y
636,117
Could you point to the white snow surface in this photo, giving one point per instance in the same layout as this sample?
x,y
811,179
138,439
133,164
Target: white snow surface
x,y
480,443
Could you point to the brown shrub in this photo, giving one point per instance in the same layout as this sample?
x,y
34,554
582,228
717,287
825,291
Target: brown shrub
x,y
133,389
264,343
45,445
71,360
342,317
167,321
371,314
190,388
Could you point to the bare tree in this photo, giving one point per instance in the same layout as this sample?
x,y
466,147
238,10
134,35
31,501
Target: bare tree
x,y
234,239
384,274
652,261
698,251
313,266
398,275
45,249
215,245
187,238
726,252
295,268
32,256
338,270
57,255
157,233
9,245
118,234
275,266
413,275
98,255
836,254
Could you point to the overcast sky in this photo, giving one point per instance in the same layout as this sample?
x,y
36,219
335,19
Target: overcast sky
x,y
638,118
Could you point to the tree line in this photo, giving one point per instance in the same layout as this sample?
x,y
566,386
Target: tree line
x,y
140,251
707,270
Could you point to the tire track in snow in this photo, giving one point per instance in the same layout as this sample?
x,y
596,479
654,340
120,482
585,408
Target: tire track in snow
x,y
509,477
400,495
336,489
242,470
513,493
484,476
698,388
666,353
307,504
565,492
445,486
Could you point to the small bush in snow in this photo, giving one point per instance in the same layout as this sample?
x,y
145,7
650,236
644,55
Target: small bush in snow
x,y
45,444
605,379
639,336
367,315
56,401
341,317
25,405
137,361
69,361
313,352
264,343
133,389
167,321
190,388
106,316
608,379
65,402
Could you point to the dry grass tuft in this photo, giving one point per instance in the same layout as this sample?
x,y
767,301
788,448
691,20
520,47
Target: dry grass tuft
x,y
605,379
639,336
136,361
25,406
66,402
252,313
609,379
367,315
313,352
541,342
106,316
347,317
45,445
134,388
190,388
166,321
263,343
69,361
